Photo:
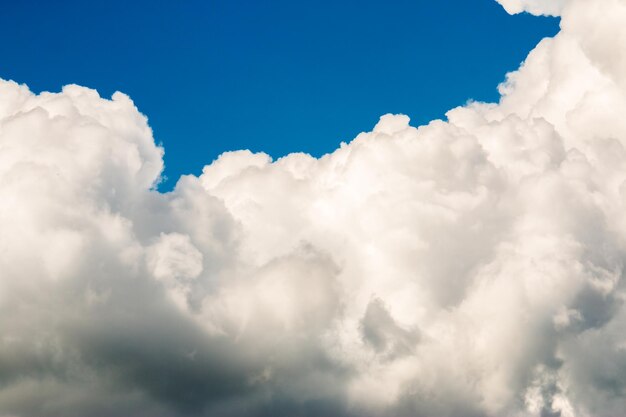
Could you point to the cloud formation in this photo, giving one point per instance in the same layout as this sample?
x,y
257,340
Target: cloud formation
x,y
536,7
472,267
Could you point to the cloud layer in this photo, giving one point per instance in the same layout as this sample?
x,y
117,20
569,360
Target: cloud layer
x,y
536,7
472,267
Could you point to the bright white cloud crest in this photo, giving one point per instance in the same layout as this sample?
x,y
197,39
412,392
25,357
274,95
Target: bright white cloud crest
x,y
536,7
472,267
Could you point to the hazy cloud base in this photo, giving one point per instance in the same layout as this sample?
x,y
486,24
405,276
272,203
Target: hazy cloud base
x,y
466,268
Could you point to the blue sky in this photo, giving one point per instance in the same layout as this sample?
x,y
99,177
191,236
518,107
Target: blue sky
x,y
276,76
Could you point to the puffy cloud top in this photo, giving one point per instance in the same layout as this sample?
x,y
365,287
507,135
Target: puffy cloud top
x,y
473,266
536,7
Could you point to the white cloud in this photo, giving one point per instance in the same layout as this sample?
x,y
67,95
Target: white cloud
x,y
470,267
536,7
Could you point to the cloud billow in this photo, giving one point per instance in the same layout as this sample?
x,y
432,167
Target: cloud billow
x,y
472,267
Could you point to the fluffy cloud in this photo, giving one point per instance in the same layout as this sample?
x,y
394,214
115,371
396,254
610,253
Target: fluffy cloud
x,y
469,267
536,7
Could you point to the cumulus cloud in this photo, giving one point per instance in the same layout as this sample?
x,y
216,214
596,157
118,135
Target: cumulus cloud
x,y
469,267
536,7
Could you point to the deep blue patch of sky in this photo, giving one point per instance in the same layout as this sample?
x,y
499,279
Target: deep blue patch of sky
x,y
277,76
